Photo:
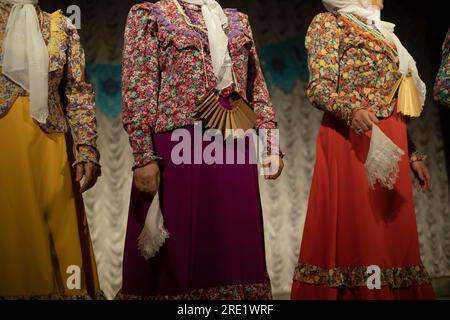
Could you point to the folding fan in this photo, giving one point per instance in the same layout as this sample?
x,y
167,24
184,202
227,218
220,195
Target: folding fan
x,y
408,102
228,120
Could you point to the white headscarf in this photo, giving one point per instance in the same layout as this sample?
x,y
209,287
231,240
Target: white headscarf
x,y
216,21
365,9
25,56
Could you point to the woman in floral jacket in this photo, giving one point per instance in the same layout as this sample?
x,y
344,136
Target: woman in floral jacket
x,y
45,249
212,212
359,242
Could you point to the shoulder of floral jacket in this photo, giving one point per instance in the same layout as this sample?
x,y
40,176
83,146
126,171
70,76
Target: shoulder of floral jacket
x,y
321,23
446,45
146,6
331,20
241,16
149,14
324,17
329,23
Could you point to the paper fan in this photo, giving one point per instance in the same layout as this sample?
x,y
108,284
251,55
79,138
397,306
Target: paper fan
x,y
408,103
228,120
408,99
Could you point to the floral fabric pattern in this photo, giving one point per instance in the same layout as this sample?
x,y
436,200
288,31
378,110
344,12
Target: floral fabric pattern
x,y
67,68
349,67
167,68
99,296
442,86
258,291
357,276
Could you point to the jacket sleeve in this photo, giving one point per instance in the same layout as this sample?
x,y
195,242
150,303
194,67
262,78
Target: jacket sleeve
x,y
258,96
322,44
257,92
442,86
140,82
80,110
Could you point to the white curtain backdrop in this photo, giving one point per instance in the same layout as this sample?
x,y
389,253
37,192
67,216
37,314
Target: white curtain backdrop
x,y
284,201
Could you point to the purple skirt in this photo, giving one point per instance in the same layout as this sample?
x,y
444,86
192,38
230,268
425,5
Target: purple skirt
x,y
216,246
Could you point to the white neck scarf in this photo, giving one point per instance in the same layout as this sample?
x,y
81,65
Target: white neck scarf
x,y
365,9
216,21
25,56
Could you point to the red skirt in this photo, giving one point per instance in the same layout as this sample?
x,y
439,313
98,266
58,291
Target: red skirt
x,y
350,227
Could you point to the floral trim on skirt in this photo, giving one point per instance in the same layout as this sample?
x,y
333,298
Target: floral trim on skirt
x,y
357,276
257,291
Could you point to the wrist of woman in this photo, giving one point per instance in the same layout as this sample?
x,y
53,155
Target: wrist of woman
x,y
417,156
352,116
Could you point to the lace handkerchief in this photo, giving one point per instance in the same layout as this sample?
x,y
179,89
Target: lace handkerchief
x,y
382,160
154,234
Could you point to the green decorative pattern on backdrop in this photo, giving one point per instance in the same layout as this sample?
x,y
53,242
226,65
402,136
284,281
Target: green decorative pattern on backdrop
x,y
106,80
284,64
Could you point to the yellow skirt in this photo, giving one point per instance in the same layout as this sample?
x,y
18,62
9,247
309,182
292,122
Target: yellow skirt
x,y
45,248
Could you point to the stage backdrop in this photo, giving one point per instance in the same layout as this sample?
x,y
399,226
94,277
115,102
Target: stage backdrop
x,y
279,28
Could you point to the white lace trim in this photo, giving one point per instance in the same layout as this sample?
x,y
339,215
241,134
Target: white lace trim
x,y
154,234
382,160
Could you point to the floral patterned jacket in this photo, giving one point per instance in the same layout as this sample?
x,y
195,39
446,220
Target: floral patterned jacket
x,y
165,73
349,67
442,86
66,73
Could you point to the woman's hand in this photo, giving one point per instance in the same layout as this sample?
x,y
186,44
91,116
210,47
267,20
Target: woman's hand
x,y
422,180
89,171
146,179
273,167
363,120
